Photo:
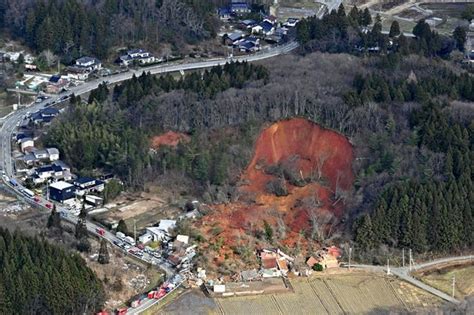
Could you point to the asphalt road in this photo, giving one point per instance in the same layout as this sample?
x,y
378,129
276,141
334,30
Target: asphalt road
x,y
404,273
11,122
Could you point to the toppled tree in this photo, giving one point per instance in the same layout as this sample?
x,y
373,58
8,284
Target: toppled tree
x,y
103,253
277,187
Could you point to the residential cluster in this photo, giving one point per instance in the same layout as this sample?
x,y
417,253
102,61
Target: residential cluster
x,y
274,263
246,29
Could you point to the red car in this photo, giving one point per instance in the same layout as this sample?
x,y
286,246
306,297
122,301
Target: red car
x,y
122,311
36,199
49,206
100,231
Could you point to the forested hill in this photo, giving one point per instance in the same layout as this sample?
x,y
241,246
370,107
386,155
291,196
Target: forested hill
x,y
39,278
77,27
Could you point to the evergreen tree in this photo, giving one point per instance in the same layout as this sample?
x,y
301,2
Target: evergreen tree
x,y
394,29
364,236
366,18
122,227
103,252
54,219
460,37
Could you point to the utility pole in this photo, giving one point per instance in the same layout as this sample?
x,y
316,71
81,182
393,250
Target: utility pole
x,y
350,253
454,284
19,96
403,257
411,259
135,229
388,267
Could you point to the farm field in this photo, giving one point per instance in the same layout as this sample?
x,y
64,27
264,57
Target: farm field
x,y
442,280
350,293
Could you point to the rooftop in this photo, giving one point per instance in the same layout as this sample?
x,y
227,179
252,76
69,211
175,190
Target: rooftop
x,y
61,185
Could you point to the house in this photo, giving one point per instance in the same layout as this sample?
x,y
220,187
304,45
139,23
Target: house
x,y
239,7
183,239
248,46
157,234
224,14
267,28
145,238
44,115
137,55
291,22
247,24
89,63
270,19
63,165
311,262
88,184
25,143
29,159
61,191
167,225
53,154
233,38
77,73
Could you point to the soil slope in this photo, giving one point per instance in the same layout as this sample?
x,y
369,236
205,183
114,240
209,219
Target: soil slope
x,y
319,158
169,138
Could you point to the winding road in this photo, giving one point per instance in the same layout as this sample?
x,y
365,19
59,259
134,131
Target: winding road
x,y
11,122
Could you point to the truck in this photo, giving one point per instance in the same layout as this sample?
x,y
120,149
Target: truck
x,y
159,294
129,240
120,235
100,231
121,311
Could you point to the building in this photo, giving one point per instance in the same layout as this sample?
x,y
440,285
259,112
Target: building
x,y
233,38
88,184
61,191
26,143
291,22
89,63
167,225
77,73
44,116
239,7
266,28
156,234
145,238
53,154
138,56
224,14
247,24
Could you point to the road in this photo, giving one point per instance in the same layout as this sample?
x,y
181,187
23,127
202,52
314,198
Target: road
x,y
404,273
11,122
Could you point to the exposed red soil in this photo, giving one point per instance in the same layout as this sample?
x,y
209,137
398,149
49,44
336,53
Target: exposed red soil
x,y
169,138
307,145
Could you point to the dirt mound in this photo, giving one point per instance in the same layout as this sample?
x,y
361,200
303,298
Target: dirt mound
x,y
169,138
314,167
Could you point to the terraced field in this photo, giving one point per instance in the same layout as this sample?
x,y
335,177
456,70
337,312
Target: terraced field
x,y
352,293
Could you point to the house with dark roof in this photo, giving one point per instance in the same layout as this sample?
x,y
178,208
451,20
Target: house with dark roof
x,y
233,38
88,184
44,115
224,13
239,7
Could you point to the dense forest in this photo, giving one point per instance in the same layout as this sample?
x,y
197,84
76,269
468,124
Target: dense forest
x,y
416,145
357,33
74,28
39,278
112,131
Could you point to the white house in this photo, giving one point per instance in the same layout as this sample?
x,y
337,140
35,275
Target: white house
x,y
139,55
145,238
53,154
167,225
26,143
89,63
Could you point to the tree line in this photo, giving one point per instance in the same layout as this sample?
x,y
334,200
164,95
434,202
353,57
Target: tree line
x,y
78,27
39,278
354,33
